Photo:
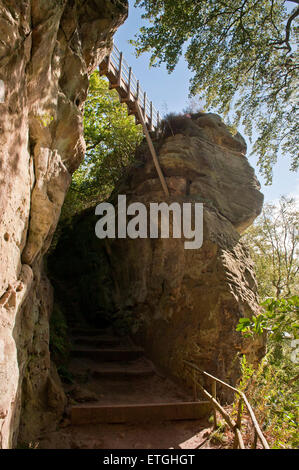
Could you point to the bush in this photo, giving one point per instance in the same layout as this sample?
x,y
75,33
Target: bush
x,y
273,394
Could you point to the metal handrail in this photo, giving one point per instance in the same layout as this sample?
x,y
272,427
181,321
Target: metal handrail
x,y
234,426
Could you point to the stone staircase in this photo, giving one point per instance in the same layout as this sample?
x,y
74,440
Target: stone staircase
x,y
116,383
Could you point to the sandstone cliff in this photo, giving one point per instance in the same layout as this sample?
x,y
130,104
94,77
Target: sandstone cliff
x,y
188,302
180,304
48,48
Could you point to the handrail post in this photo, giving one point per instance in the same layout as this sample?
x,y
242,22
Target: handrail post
x,y
194,386
144,106
116,69
214,393
120,69
108,64
129,83
254,440
238,422
235,427
137,93
109,59
151,117
158,123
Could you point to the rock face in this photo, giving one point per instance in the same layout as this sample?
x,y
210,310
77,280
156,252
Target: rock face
x,y
179,303
48,48
187,303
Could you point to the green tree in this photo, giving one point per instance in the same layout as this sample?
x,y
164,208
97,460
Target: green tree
x,y
280,317
243,58
273,242
272,388
111,139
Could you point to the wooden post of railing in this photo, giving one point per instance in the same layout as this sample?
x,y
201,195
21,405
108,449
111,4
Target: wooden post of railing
x,y
214,394
144,106
255,423
194,386
121,78
254,440
137,94
129,83
151,117
108,63
216,405
120,69
234,426
238,440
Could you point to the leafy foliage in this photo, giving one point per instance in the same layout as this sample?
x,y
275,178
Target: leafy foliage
x,y
273,392
272,388
280,317
242,55
274,246
111,138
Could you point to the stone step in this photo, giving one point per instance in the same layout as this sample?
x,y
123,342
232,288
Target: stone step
x,y
121,372
145,412
96,341
81,331
140,368
108,355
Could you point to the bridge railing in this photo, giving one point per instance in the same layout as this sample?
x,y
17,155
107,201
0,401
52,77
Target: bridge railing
x,y
235,426
128,81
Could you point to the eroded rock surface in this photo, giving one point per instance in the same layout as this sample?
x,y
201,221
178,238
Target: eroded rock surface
x,y
187,303
179,303
48,48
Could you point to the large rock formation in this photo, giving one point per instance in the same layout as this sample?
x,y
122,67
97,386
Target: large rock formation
x,y
187,303
179,303
48,48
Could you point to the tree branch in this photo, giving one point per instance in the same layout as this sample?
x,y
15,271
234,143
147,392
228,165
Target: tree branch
x,y
286,40
288,28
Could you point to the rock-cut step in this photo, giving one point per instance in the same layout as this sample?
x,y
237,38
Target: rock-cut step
x,y
96,341
145,412
81,331
139,368
120,354
124,384
130,371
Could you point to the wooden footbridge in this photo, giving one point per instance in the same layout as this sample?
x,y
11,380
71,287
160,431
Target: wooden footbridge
x,y
122,79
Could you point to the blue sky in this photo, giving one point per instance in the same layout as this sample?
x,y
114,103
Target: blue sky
x,y
169,93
